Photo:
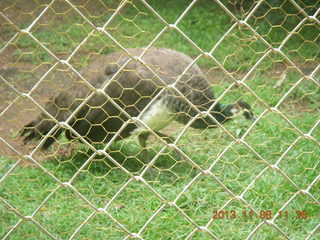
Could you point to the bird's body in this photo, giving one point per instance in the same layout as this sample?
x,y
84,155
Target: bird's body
x,y
132,88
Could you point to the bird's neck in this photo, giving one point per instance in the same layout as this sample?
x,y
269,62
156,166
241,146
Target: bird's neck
x,y
225,110
221,112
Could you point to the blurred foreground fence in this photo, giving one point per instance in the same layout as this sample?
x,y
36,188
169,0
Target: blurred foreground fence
x,y
242,180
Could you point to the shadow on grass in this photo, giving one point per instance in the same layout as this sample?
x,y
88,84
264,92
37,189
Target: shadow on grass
x,y
129,156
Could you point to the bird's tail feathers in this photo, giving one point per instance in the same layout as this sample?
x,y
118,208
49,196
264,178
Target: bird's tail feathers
x,y
59,108
37,129
28,132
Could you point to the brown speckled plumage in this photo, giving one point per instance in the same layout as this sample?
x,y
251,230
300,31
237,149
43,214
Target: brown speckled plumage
x,y
132,89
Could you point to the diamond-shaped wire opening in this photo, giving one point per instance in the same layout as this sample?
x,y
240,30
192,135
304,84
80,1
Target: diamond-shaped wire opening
x,y
241,8
202,17
202,197
262,138
12,144
99,181
96,11
265,231
8,94
17,70
130,26
239,51
314,189
233,221
280,77
302,47
301,104
25,192
100,225
61,29
7,219
175,8
270,191
173,223
61,206
144,201
237,168
275,20
96,46
300,163
22,14
27,229
300,217
238,124
8,32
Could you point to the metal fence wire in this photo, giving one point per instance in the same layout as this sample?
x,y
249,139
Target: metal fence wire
x,y
114,91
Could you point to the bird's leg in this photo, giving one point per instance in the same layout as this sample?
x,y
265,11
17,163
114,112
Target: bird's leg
x,y
51,139
143,143
169,139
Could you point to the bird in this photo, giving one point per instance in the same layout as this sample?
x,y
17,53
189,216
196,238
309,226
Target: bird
x,y
159,83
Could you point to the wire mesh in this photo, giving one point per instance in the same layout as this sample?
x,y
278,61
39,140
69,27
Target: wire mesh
x,y
87,75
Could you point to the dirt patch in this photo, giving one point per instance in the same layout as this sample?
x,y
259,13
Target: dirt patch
x,y
16,111
12,121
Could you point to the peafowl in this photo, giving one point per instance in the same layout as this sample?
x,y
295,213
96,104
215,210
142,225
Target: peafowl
x,y
131,85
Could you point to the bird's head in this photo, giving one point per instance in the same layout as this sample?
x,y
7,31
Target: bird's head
x,y
242,108
230,111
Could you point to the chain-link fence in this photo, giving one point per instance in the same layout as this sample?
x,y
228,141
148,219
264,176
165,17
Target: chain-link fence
x,y
106,132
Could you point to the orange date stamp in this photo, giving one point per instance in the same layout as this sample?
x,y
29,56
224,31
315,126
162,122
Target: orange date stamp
x,y
268,214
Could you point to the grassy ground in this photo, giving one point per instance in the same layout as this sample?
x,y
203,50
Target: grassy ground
x,y
28,186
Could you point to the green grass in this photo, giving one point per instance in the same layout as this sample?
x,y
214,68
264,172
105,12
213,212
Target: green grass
x,y
27,186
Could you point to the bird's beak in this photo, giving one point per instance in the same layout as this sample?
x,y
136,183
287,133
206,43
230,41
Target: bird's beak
x,y
249,115
254,119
